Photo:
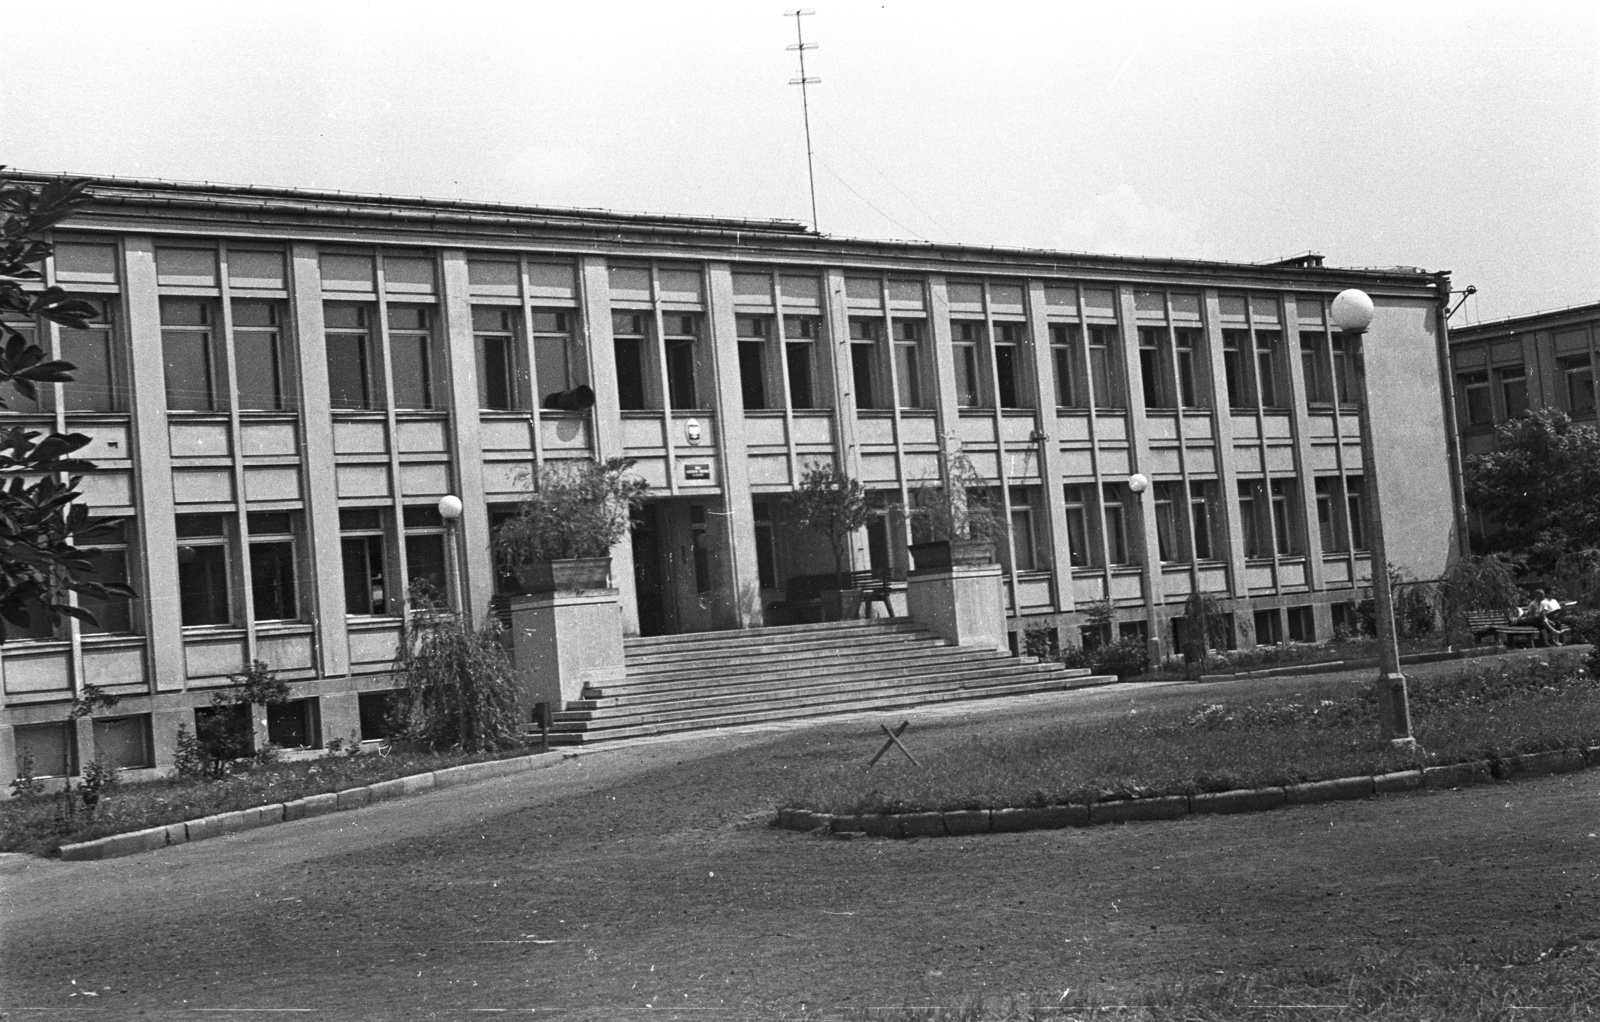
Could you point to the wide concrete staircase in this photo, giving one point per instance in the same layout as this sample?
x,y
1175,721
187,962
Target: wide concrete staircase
x,y
719,679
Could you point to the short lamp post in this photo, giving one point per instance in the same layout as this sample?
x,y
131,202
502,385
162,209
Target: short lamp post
x,y
1352,313
450,512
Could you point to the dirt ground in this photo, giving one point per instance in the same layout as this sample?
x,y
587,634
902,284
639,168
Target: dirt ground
x,y
646,880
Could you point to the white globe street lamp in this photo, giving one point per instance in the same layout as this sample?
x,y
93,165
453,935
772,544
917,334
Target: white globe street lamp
x,y
1352,313
1138,482
450,510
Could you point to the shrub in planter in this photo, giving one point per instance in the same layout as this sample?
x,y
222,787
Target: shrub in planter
x,y
577,510
957,522
459,687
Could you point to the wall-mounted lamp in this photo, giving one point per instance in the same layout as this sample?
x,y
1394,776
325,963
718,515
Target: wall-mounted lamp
x,y
1138,482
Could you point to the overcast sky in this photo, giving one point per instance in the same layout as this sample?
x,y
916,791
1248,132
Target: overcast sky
x,y
1459,136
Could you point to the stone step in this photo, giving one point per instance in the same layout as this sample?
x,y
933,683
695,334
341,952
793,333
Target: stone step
x,y
594,735
862,682
767,674
821,648
775,632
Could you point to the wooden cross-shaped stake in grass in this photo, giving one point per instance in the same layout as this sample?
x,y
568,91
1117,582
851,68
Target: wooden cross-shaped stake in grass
x,y
893,742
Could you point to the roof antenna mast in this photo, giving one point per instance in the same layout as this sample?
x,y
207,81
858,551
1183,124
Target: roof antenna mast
x,y
801,46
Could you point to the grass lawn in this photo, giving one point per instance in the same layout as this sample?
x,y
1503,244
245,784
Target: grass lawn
x,y
1311,731
40,825
1508,982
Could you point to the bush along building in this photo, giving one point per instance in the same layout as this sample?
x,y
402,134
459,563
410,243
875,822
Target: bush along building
x,y
281,385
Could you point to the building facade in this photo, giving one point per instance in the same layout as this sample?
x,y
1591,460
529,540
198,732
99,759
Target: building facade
x,y
281,385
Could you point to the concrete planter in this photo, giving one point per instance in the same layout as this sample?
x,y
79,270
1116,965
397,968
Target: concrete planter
x,y
947,553
580,574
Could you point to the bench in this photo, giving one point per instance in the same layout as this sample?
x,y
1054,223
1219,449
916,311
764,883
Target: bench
x,y
802,594
1497,623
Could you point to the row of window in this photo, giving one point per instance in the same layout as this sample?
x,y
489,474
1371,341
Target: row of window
x,y
1507,386
215,359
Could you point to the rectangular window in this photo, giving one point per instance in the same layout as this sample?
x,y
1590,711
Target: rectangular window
x,y
629,334
113,615
1102,368
203,583
1024,537
500,379
969,386
1344,369
294,724
1201,499
1236,368
349,346
49,750
766,550
189,354
1185,343
123,743
411,348
1302,624
273,593
1008,364
1285,515
1079,552
96,381
1269,628
1257,540
1513,390
865,335
1355,502
683,332
374,710
258,356
425,552
1330,526
908,349
1269,368
362,536
1315,364
1065,339
1116,514
1151,370
1475,398
1168,542
552,352
752,331
800,333
1580,385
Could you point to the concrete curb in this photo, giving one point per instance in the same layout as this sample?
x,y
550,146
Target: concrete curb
x,y
962,822
1362,664
153,838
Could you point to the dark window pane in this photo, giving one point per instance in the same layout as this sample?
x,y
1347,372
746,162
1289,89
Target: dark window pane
x,y
555,373
112,614
272,571
861,365
800,395
123,743
630,372
496,381
348,375
680,373
364,571
752,374
259,369
425,563
188,363
203,584
90,389
413,374
291,725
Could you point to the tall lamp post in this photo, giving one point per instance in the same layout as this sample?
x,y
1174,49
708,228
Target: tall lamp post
x,y
450,511
1352,314
1137,484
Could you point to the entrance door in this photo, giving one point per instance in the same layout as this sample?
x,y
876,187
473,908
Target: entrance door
x,y
649,581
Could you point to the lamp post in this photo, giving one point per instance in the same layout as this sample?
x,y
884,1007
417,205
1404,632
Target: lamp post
x,y
1352,313
1137,484
450,512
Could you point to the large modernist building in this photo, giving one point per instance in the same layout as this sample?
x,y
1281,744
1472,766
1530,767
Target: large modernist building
x,y
281,385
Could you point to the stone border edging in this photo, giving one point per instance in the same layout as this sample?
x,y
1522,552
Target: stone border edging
x,y
1365,663
152,838
960,822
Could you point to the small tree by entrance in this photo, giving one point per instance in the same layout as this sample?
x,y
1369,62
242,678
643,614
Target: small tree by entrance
x,y
829,501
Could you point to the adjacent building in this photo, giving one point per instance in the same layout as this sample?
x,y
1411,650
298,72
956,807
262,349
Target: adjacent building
x,y
281,385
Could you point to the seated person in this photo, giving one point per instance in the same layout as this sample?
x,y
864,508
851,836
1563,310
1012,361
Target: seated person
x,y
1542,611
